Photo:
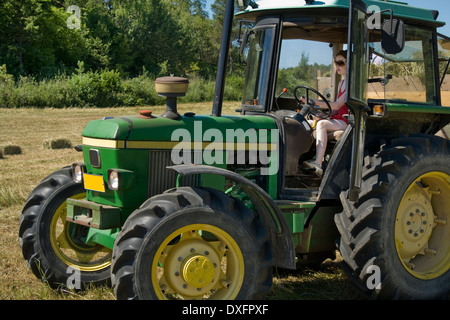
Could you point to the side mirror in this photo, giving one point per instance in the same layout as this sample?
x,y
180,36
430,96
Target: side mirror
x,y
393,36
392,30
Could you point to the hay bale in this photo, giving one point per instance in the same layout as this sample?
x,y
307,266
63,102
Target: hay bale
x,y
12,149
57,143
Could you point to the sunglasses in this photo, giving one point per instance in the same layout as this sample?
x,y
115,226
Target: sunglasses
x,y
340,63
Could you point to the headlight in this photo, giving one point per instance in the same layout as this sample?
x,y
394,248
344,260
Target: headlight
x,y
78,170
120,179
113,179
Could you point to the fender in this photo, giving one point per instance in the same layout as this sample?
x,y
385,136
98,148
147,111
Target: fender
x,y
270,214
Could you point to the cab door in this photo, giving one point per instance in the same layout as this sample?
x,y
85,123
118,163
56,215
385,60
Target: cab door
x,y
362,20
357,83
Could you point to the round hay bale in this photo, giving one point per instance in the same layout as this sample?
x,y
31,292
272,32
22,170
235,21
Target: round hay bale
x,y
12,149
57,143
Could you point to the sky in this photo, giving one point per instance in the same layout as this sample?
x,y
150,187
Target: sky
x,y
440,5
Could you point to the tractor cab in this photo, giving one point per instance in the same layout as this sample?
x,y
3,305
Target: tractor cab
x,y
288,56
289,53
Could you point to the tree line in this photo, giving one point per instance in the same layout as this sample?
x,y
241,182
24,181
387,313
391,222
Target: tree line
x,y
48,38
106,53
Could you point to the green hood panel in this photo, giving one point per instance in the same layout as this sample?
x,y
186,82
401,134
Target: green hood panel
x,y
133,128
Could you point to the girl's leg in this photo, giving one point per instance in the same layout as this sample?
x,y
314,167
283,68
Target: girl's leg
x,y
322,129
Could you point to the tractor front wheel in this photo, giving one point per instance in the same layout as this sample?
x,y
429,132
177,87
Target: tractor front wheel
x,y
50,244
192,243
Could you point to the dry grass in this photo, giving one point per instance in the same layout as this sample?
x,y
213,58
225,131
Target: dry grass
x,y
20,173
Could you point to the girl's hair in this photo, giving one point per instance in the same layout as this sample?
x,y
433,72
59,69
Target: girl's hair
x,y
342,53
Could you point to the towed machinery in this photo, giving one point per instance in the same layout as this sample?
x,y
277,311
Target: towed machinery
x,y
205,206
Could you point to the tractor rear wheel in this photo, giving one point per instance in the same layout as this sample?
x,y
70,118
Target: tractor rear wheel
x,y
192,243
50,244
395,238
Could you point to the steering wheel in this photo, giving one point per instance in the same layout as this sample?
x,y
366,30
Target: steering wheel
x,y
310,106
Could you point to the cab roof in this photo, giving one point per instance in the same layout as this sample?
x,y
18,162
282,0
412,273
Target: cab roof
x,y
401,10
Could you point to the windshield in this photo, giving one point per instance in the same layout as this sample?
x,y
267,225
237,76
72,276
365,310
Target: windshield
x,y
305,62
258,67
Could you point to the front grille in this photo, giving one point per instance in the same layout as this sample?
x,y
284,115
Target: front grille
x,y
161,178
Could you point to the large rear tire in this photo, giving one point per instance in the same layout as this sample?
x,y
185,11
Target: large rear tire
x,y
49,243
395,238
192,243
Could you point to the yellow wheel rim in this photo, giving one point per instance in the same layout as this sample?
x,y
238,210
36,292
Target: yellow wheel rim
x,y
198,261
422,229
75,255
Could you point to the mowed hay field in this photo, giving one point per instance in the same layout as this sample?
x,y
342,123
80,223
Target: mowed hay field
x,y
20,173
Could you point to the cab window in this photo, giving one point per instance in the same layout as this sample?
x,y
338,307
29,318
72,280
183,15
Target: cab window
x,y
444,68
407,76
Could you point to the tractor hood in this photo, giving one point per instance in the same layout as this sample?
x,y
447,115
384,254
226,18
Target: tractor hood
x,y
157,128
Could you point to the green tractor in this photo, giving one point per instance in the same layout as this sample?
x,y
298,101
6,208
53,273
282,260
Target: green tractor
x,y
194,206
